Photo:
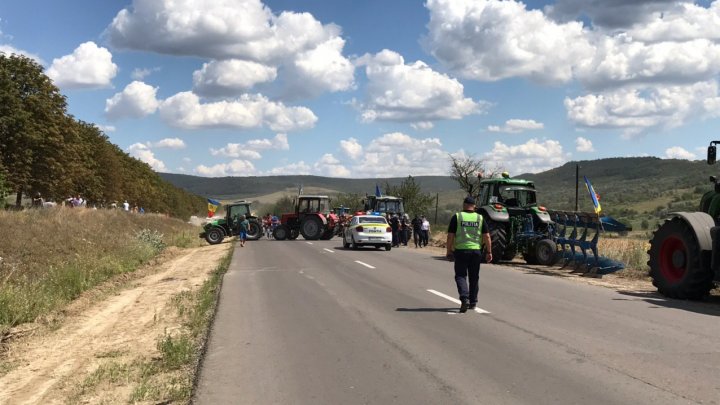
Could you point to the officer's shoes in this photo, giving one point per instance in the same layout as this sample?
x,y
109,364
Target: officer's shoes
x,y
472,306
463,305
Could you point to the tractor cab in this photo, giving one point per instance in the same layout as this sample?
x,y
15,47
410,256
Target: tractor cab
x,y
313,204
384,205
235,210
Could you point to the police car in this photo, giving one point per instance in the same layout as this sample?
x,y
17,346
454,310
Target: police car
x,y
367,230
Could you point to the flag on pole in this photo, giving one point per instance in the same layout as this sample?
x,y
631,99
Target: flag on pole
x,y
212,207
377,191
593,195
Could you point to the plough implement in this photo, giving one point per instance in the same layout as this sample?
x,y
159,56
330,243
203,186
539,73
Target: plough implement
x,y
573,230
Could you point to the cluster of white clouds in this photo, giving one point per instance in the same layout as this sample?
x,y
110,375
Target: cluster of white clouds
x,y
514,126
643,65
677,152
251,149
89,66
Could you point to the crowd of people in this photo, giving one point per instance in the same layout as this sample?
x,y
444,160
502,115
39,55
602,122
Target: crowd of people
x,y
402,227
77,201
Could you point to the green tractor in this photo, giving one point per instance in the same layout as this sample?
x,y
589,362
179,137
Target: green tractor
x,y
684,255
515,221
216,230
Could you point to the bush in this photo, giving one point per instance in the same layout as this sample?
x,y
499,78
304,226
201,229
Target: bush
x,y
152,238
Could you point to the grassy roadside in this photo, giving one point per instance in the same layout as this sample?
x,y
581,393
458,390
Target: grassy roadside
x,y
173,376
49,257
170,375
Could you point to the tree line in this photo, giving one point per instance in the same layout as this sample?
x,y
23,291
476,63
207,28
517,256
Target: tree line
x,y
45,150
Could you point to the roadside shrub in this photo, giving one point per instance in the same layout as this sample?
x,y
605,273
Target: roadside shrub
x,y
152,238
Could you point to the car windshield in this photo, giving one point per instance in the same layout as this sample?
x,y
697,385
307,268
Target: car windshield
x,y
237,210
516,196
372,220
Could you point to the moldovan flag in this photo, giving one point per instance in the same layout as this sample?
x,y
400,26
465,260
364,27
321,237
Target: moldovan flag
x,y
212,207
593,195
377,191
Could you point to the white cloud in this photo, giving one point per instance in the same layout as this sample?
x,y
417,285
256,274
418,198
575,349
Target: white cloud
x,y
251,148
352,148
89,66
414,92
492,40
222,29
236,167
531,157
107,128
635,109
676,152
683,22
611,14
329,166
422,125
230,77
299,168
142,73
514,126
321,69
137,100
10,50
583,145
143,153
398,154
184,110
170,143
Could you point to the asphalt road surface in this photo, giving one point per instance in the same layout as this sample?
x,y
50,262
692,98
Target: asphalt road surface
x,y
312,323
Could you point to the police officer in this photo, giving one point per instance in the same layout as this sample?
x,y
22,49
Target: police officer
x,y
467,235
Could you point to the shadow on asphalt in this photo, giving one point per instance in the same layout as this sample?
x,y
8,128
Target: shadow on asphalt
x,y
454,309
709,306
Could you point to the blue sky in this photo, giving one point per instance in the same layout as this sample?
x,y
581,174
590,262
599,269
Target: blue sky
x,y
380,88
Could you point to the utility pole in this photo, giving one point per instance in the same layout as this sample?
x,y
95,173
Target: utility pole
x,y
577,185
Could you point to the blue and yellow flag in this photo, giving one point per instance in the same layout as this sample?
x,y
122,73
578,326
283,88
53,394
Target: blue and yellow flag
x,y
377,191
212,207
593,195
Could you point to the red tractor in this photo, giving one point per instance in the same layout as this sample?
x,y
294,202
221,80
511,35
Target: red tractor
x,y
312,219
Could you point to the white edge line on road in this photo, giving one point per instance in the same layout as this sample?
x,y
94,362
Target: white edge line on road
x,y
457,301
364,264
309,243
328,250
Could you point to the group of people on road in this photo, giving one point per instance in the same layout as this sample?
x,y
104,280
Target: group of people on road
x,y
402,227
269,223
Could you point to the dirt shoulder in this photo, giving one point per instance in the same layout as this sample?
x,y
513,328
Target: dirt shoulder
x,y
118,323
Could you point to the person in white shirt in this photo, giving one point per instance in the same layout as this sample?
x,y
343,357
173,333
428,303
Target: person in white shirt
x,y
425,229
126,206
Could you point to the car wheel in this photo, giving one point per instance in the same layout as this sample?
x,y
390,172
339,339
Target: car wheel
x,y
388,247
354,244
345,243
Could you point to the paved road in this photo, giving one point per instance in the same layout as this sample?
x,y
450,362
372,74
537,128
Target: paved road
x,y
312,323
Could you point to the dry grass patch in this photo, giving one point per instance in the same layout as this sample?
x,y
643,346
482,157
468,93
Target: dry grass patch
x,y
49,257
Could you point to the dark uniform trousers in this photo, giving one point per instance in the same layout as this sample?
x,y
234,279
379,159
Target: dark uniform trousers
x,y
467,268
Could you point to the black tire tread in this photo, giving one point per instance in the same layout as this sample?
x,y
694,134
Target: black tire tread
x,y
697,282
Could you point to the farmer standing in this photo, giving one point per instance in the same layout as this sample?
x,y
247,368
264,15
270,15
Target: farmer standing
x,y
467,234
243,225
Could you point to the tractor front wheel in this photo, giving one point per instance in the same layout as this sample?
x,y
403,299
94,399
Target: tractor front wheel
x,y
214,236
546,252
294,233
675,265
281,232
311,228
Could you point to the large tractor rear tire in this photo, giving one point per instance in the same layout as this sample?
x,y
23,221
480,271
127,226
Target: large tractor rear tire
x,y
282,232
254,230
675,262
311,228
498,237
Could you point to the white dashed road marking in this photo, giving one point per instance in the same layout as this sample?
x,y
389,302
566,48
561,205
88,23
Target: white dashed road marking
x,y
364,264
328,250
309,243
457,301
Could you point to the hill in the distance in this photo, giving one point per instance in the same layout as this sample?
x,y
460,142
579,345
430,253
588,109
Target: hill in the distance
x,y
631,189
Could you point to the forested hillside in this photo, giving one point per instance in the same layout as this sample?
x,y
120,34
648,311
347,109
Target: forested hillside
x,y
45,150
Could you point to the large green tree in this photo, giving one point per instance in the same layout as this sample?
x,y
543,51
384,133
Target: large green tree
x,y
33,127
